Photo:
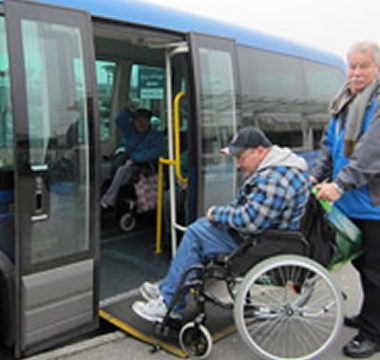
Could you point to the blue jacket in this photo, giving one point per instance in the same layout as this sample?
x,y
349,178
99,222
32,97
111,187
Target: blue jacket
x,y
358,175
151,144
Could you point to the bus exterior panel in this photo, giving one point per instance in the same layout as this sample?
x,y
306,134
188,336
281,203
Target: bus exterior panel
x,y
128,52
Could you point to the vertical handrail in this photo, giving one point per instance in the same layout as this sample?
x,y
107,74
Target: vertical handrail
x,y
177,137
176,162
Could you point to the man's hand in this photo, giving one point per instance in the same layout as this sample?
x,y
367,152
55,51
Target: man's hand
x,y
132,106
328,191
208,215
129,162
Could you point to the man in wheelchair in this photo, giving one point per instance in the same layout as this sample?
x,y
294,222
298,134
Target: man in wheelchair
x,y
273,195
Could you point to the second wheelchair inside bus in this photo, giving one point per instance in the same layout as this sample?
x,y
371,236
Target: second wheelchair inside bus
x,y
133,185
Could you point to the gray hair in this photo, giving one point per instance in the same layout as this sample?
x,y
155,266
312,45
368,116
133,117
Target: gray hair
x,y
366,47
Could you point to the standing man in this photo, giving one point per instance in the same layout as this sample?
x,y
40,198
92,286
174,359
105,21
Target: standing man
x,y
350,161
273,195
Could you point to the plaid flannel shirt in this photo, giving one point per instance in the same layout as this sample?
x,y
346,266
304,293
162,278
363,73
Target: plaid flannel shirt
x,y
273,197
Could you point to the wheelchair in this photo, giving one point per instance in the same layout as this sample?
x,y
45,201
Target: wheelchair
x,y
138,197
284,305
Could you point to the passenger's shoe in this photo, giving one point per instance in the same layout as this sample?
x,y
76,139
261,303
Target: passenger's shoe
x,y
104,205
153,310
150,291
360,347
352,321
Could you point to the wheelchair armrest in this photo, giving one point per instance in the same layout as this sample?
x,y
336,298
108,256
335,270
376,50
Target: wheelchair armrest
x,y
267,234
283,234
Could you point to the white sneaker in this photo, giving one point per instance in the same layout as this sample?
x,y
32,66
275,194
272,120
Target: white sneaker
x,y
153,310
150,291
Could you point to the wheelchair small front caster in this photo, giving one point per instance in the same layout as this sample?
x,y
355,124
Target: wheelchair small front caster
x,y
127,222
195,340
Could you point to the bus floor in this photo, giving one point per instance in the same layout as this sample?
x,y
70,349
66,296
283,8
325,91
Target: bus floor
x,y
129,259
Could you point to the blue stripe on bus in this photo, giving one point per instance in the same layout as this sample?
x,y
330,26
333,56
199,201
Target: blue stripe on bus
x,y
142,13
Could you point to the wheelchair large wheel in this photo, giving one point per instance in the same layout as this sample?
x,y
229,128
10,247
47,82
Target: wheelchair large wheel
x,y
195,340
288,307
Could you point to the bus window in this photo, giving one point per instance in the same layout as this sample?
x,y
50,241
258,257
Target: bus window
x,y
322,83
105,76
273,95
6,151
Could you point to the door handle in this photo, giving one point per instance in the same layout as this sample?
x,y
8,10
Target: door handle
x,y
39,201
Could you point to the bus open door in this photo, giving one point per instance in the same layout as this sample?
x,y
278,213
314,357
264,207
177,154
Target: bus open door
x,y
53,102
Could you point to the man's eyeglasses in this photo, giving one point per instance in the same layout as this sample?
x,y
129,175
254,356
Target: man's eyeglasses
x,y
244,154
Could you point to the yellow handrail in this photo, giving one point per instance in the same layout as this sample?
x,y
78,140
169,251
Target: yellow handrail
x,y
177,163
177,141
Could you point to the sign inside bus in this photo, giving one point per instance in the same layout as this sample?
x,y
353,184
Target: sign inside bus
x,y
151,83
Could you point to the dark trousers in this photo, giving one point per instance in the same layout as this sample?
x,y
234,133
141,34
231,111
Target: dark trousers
x,y
368,266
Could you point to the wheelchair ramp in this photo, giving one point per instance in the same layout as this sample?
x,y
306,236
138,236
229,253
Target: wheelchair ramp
x,y
119,313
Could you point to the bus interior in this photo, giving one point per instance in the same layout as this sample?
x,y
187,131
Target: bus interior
x,y
130,68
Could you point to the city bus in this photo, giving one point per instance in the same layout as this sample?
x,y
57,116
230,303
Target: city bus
x,y
66,70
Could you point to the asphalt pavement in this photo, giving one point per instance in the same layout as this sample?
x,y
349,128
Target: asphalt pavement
x,y
117,345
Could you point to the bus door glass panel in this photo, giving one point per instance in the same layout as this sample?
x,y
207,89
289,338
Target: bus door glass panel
x,y
57,138
52,80
6,152
216,93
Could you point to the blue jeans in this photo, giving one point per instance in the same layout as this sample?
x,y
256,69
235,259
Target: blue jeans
x,y
201,242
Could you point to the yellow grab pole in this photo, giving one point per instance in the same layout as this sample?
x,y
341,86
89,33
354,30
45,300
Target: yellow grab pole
x,y
177,144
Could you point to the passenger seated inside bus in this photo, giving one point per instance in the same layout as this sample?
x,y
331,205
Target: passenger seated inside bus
x,y
141,147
